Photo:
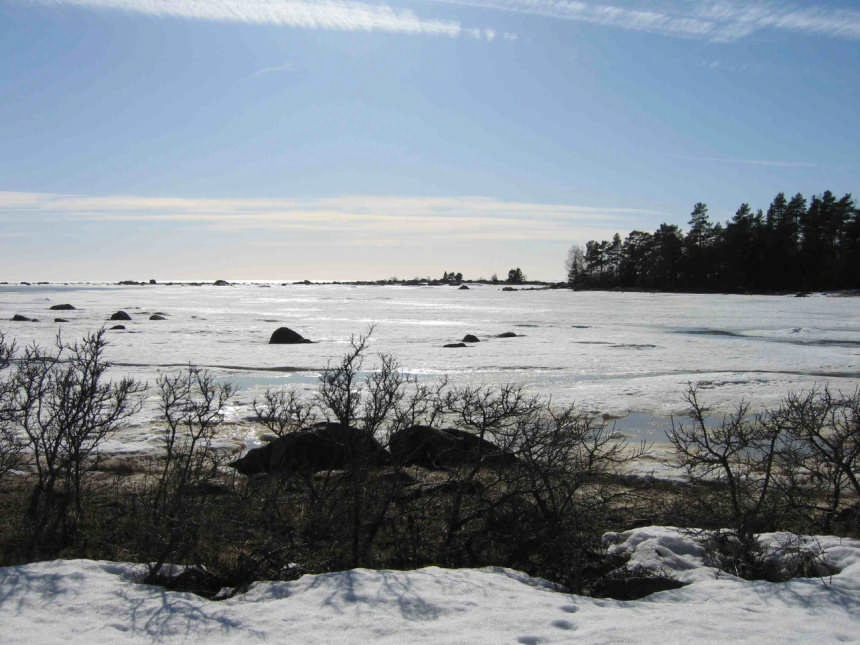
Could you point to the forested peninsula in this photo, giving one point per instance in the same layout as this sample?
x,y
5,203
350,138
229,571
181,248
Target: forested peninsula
x,y
796,245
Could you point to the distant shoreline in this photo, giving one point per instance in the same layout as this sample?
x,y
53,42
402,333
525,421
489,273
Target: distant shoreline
x,y
529,285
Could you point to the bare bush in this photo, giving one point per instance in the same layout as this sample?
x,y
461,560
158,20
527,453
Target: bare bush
x,y
284,411
341,394
787,557
339,391
192,409
733,465
11,444
345,512
65,410
525,485
569,468
820,460
491,415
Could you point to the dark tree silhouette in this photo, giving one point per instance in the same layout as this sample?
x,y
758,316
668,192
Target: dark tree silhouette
x,y
793,246
516,276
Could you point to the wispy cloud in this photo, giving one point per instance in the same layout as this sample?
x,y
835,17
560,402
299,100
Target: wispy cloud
x,y
341,15
274,69
367,216
713,21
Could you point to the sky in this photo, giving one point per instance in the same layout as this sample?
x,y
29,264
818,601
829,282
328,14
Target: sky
x,y
289,140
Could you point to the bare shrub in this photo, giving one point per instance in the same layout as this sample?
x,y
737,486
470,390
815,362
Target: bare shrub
x,y
7,351
528,485
192,409
820,458
11,449
371,403
492,415
790,556
793,556
284,411
339,392
569,465
60,402
733,466
11,444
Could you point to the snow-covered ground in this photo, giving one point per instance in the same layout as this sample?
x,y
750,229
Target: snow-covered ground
x,y
81,601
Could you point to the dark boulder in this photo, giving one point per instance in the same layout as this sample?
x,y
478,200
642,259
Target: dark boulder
x,y
157,317
20,318
221,283
286,336
118,327
62,308
325,446
507,334
60,320
470,338
463,287
455,345
439,448
120,315
633,584
196,580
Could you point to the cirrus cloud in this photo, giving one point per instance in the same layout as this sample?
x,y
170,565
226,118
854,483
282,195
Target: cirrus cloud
x,y
341,15
721,21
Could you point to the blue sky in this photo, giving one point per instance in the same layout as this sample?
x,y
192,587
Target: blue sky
x,y
279,139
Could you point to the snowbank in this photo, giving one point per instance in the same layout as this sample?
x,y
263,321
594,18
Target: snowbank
x,y
81,601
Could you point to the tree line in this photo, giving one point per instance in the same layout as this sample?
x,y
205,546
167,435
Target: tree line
x,y
797,244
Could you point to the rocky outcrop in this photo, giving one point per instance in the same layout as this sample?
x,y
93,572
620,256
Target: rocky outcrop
x,y
286,336
157,317
470,338
20,318
117,327
65,307
507,334
455,345
439,448
120,315
325,446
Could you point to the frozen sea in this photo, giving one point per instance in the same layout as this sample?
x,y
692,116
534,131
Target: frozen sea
x,y
627,355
